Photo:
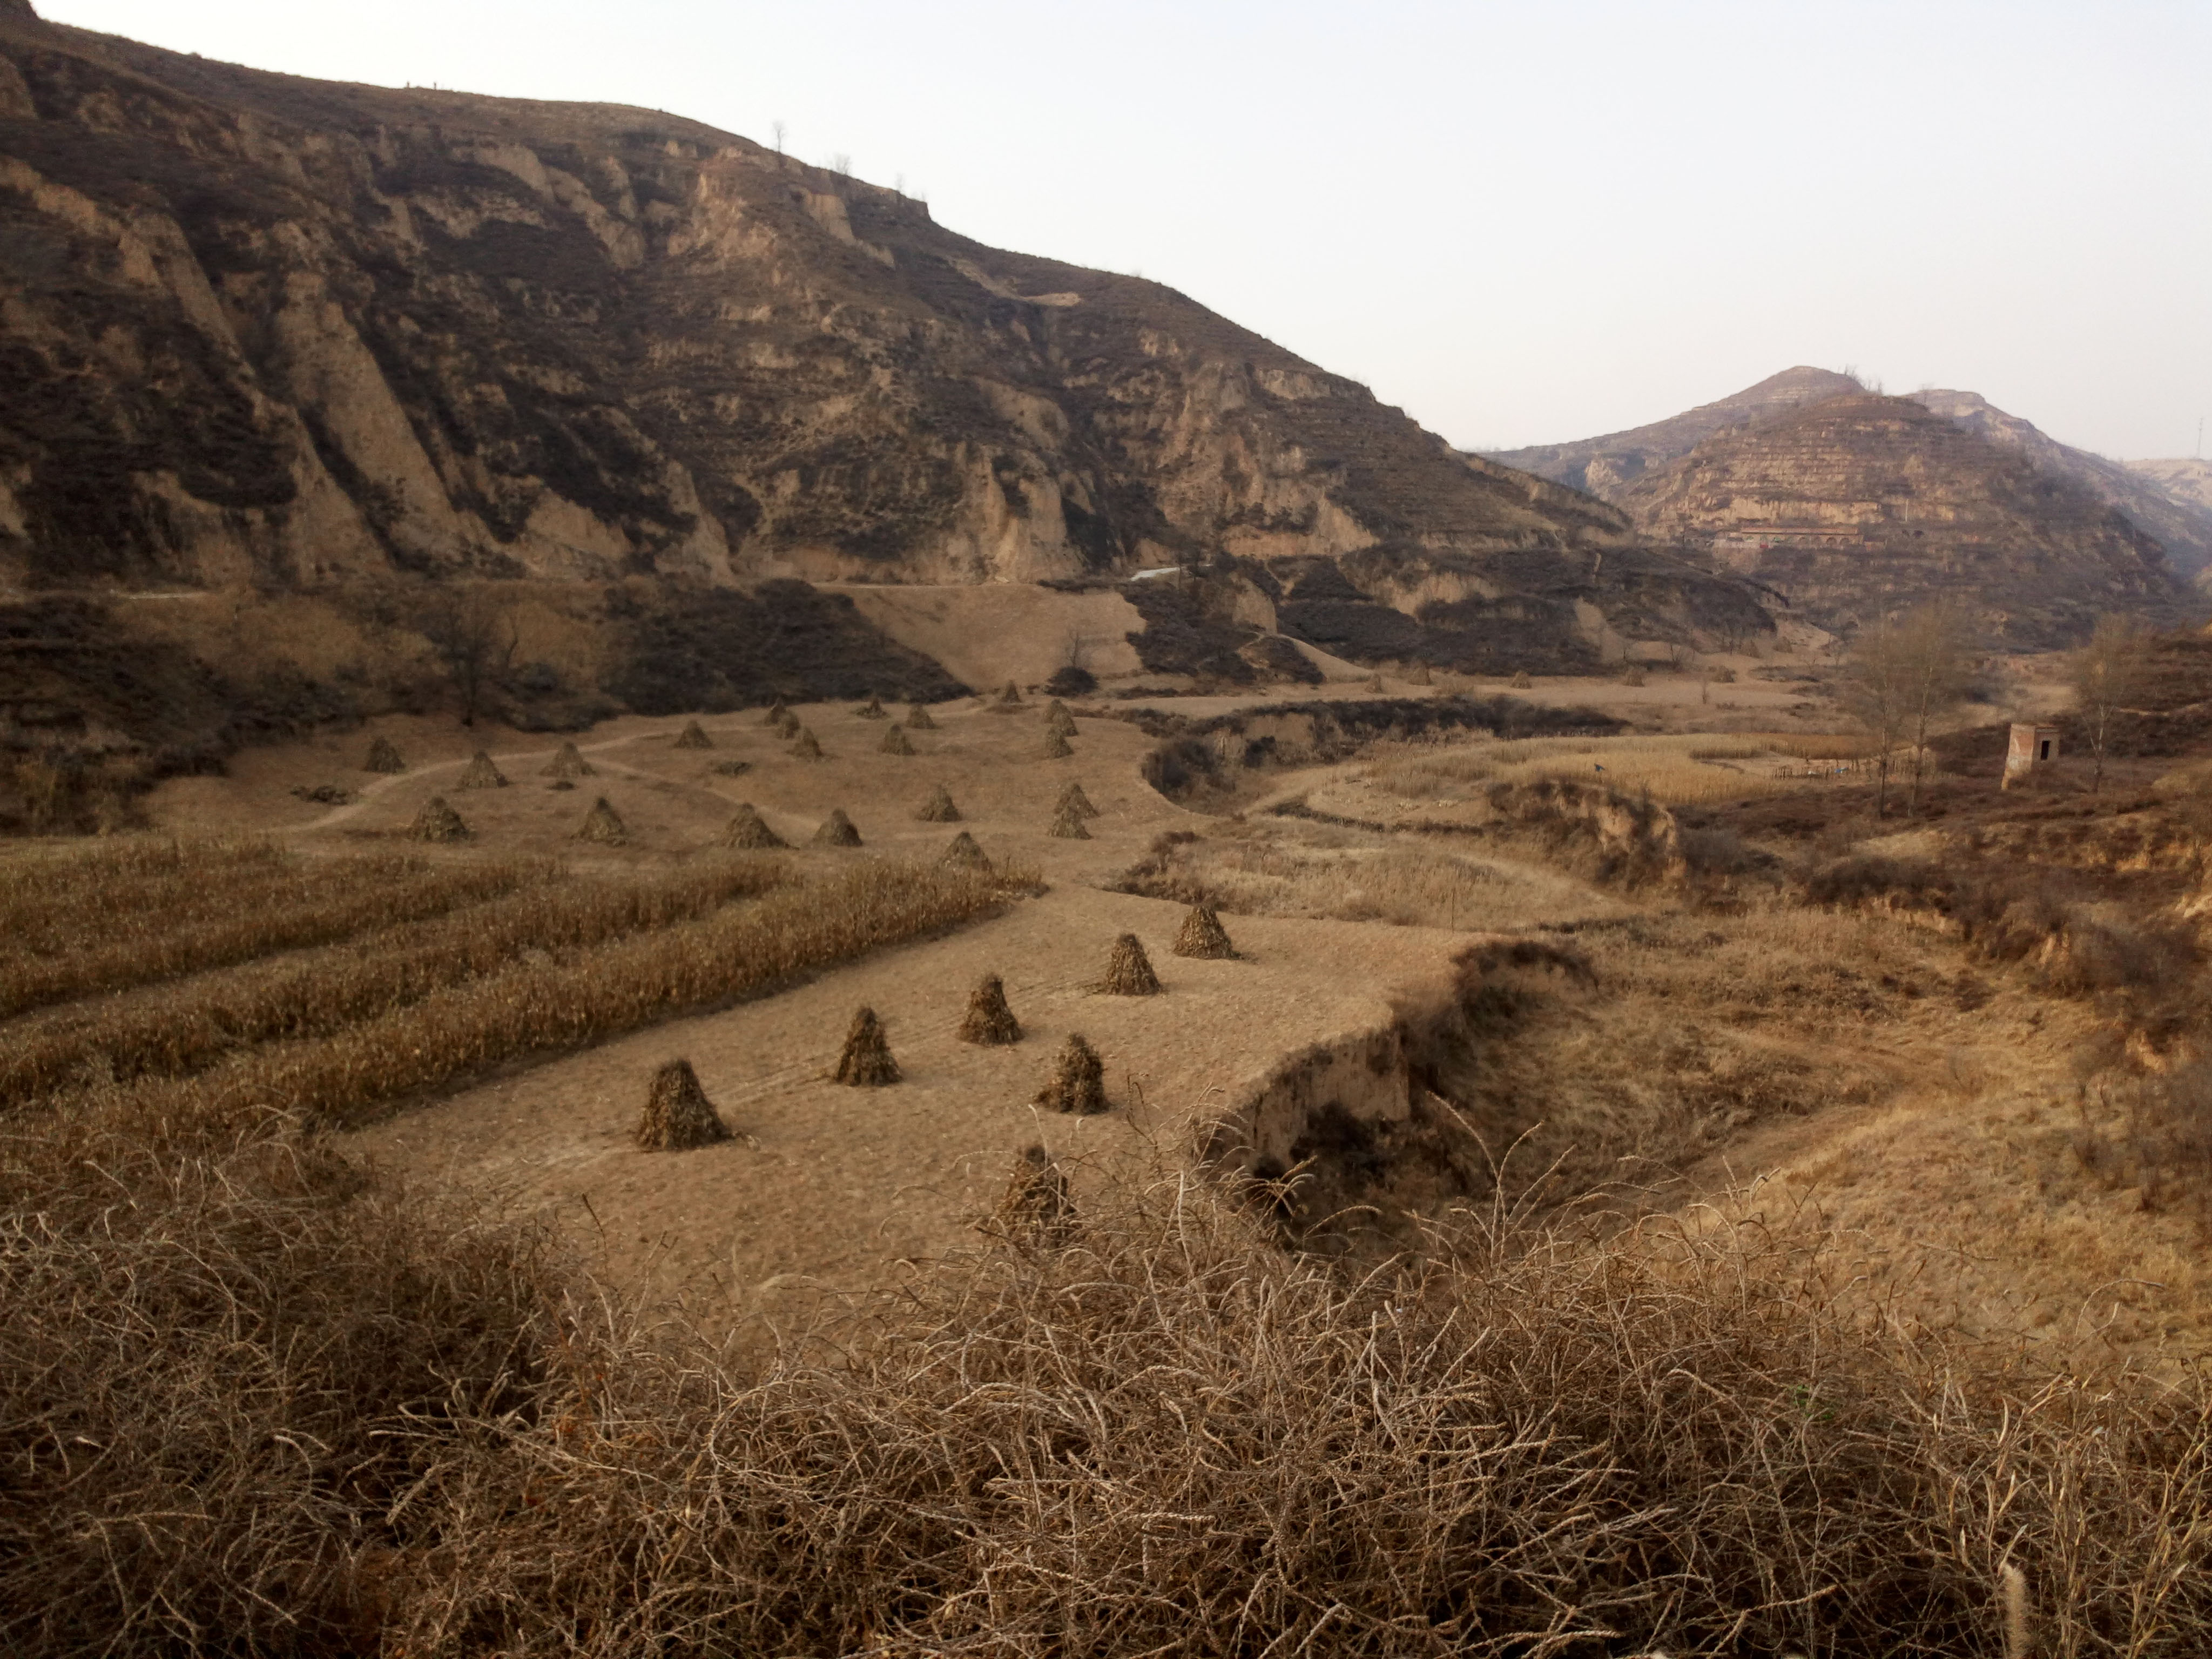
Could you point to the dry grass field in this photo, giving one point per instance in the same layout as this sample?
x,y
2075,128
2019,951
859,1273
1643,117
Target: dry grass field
x,y
1680,1214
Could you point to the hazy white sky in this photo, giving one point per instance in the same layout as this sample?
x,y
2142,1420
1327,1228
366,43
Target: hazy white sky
x,y
1524,222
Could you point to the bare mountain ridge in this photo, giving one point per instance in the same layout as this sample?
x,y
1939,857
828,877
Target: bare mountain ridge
x,y
1853,506
1610,466
272,330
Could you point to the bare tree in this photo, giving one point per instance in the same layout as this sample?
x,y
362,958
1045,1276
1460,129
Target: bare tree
x,y
2106,674
472,632
1874,694
779,129
1905,675
1937,642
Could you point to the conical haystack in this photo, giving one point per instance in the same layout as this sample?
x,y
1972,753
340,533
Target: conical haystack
x,y
1011,696
806,748
871,710
866,1062
895,741
677,1115
603,824
1073,799
1057,718
990,1022
1374,683
918,720
438,822
1522,682
1037,1209
836,830
481,774
1078,1083
1129,970
570,763
787,723
1067,825
749,832
939,808
693,736
1420,675
383,757
1056,746
1204,936
965,854
777,714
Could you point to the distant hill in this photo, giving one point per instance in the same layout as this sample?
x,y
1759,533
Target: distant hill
x,y
2189,480
1984,509
1604,466
1853,505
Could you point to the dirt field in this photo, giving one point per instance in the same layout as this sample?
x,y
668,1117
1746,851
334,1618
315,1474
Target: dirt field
x,y
1805,1070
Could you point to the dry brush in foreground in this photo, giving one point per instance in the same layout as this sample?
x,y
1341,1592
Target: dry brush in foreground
x,y
247,1406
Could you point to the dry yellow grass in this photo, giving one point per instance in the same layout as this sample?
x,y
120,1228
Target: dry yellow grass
x,y
1287,867
1684,770
249,1407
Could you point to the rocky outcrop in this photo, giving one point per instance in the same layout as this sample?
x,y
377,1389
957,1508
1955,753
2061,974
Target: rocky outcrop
x,y
1855,507
259,328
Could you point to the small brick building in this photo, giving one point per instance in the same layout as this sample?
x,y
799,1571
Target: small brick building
x,y
2032,746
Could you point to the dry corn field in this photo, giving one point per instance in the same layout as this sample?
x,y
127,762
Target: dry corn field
x,y
420,976
113,919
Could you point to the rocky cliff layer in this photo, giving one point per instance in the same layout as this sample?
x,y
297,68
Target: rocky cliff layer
x,y
254,328
1853,506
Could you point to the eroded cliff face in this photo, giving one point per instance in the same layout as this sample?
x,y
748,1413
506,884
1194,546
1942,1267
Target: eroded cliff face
x,y
1855,506
259,329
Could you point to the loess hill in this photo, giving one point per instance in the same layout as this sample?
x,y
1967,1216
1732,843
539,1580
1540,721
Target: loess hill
x,y
1843,501
264,329
1846,505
